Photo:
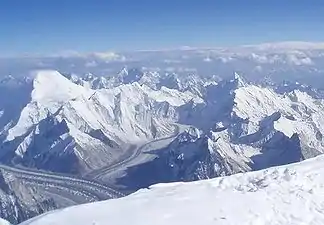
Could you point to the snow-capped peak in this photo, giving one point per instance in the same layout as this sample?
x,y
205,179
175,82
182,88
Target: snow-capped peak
x,y
123,72
239,80
51,86
97,121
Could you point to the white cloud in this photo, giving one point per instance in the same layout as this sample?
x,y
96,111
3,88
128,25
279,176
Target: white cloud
x,y
107,56
207,59
260,58
297,45
226,59
170,61
91,64
298,61
258,69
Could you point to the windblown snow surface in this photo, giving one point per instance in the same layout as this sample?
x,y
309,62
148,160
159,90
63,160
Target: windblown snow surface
x,y
291,194
4,222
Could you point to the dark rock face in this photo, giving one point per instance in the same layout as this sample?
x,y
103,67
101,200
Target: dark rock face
x,y
133,75
44,137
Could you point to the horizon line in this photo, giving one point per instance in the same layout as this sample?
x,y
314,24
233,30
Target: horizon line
x,y
298,45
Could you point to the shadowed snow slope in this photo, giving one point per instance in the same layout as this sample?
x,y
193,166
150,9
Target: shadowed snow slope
x,y
292,194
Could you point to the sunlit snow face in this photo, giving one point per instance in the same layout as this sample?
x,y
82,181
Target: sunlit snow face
x,y
1,113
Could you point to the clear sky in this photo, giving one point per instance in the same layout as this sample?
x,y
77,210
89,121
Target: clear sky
x,y
52,26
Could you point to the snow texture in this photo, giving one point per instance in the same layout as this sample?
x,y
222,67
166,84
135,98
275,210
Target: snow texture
x,y
4,222
292,194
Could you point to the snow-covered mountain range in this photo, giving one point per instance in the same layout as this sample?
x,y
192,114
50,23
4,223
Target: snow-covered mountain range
x,y
65,122
291,194
63,126
152,79
107,129
254,127
239,127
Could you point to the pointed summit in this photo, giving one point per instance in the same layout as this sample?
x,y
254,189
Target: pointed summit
x,y
51,86
123,72
239,80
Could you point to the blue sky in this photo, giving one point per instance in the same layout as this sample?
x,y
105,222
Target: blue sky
x,y
52,26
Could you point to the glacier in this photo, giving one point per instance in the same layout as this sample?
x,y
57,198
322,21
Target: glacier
x,y
19,201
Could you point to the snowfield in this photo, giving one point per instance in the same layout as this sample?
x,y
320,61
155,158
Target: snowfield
x,y
4,222
292,194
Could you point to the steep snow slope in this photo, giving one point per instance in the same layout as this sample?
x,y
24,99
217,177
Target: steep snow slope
x,y
50,91
292,194
293,112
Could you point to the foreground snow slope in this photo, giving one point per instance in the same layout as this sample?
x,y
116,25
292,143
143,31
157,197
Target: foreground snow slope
x,y
292,194
4,222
